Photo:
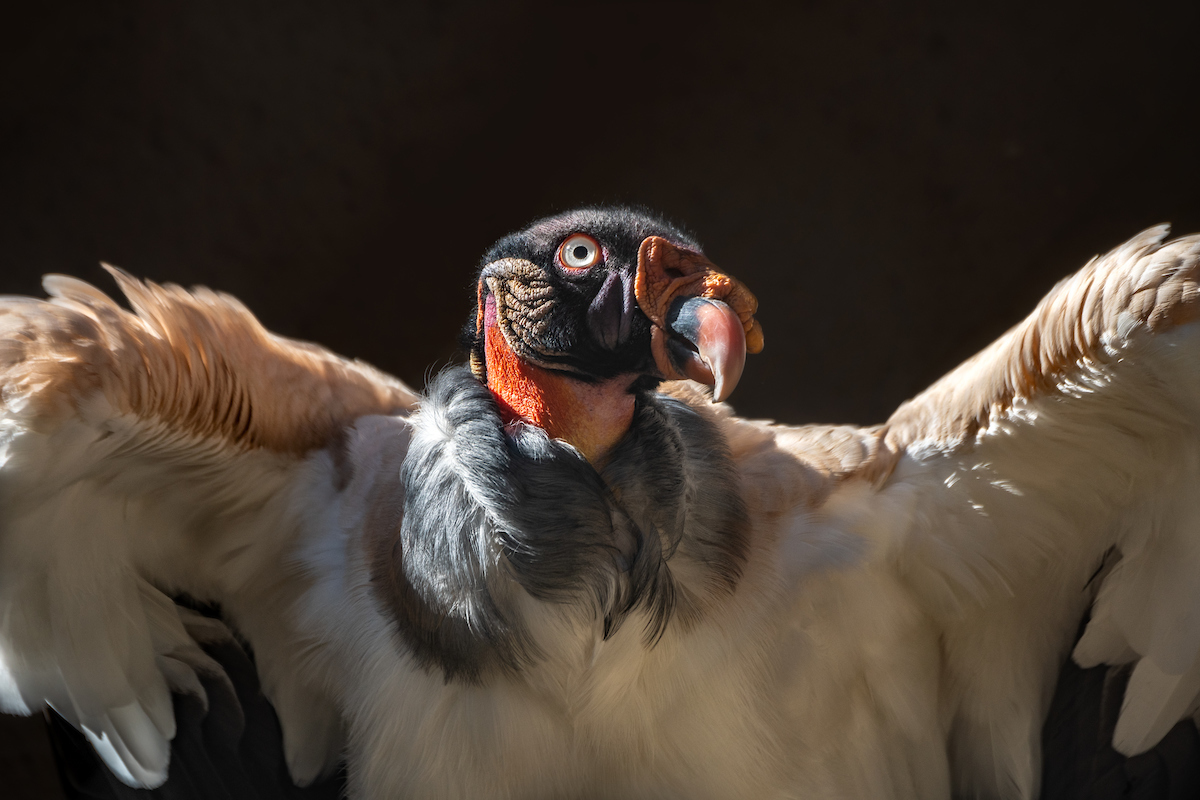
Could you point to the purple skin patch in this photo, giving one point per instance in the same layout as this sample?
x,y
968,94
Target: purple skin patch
x,y
610,316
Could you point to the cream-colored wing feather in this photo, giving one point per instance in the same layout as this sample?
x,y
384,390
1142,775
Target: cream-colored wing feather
x,y
151,452
1074,437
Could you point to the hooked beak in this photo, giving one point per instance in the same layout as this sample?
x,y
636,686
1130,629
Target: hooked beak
x,y
718,343
703,319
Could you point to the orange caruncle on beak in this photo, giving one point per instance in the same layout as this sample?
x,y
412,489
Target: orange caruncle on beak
x,y
687,298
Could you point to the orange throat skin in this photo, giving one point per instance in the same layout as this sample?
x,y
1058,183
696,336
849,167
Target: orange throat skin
x,y
592,417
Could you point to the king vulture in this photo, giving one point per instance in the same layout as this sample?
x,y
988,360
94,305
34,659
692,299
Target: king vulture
x,y
567,569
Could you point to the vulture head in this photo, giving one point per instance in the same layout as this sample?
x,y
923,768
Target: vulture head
x,y
549,470
580,311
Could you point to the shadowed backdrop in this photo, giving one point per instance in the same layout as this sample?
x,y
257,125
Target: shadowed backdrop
x,y
897,185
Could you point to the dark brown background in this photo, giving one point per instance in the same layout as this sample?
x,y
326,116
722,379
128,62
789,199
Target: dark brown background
x,y
898,185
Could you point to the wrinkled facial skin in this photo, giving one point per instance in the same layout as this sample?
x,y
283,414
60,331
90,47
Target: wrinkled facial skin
x,y
592,327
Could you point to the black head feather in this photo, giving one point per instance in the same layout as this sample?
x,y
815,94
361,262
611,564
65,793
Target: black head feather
x,y
583,323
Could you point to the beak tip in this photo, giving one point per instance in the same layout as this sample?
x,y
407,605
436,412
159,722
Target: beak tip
x,y
726,380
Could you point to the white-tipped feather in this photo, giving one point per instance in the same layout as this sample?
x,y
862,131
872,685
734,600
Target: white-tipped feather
x,y
1154,702
1102,642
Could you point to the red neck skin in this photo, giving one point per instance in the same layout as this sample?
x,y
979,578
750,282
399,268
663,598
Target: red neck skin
x,y
592,417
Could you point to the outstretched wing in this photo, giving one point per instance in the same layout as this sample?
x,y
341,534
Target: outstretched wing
x,y
1059,465
151,454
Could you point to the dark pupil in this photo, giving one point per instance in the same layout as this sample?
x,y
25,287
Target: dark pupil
x,y
580,253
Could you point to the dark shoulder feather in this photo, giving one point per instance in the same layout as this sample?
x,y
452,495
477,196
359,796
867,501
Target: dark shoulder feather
x,y
491,510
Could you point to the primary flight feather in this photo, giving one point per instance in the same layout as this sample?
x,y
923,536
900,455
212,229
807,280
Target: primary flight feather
x,y
564,571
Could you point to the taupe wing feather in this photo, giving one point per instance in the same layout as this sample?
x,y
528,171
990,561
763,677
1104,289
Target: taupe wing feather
x,y
158,450
1074,435
198,362
1143,287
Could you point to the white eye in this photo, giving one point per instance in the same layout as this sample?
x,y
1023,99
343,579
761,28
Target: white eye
x,y
579,251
